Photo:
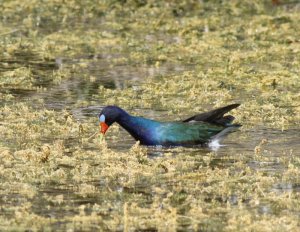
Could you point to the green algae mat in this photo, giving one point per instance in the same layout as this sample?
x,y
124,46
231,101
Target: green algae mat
x,y
62,61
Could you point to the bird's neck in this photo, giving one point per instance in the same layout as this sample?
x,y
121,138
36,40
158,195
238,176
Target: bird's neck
x,y
140,128
126,121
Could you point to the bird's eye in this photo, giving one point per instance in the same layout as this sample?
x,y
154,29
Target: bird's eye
x,y
102,118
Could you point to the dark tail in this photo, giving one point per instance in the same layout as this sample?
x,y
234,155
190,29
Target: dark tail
x,y
216,116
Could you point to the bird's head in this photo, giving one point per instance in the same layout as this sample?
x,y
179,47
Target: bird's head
x,y
108,116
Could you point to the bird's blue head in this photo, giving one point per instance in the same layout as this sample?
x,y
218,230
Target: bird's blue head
x,y
108,116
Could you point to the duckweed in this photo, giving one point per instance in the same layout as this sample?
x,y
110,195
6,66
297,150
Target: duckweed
x,y
56,176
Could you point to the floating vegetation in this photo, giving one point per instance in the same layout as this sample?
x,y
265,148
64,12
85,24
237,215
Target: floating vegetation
x,y
57,174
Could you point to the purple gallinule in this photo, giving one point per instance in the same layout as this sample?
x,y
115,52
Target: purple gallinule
x,y
199,129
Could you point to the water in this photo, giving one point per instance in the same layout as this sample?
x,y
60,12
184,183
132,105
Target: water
x,y
111,196
239,142
65,95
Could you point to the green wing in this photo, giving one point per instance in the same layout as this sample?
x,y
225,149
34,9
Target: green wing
x,y
179,133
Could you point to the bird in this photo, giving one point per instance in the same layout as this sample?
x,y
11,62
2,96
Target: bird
x,y
199,129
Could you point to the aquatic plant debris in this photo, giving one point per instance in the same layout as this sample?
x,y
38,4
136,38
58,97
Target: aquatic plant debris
x,y
182,57
101,137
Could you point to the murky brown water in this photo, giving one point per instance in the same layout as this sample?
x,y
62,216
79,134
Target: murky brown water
x,y
78,95
66,95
